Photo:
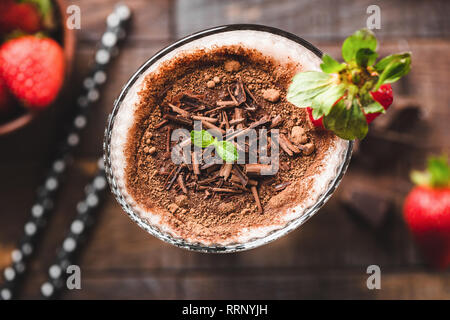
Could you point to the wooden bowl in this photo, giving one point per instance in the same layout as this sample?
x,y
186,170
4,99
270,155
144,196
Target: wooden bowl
x,y
67,38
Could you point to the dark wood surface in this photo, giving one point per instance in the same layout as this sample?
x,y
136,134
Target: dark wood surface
x,y
325,258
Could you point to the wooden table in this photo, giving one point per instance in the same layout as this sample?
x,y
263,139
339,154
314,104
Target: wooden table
x,y
328,256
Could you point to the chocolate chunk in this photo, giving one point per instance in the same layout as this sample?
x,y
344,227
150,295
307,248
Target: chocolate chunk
x,y
272,95
369,206
232,65
307,149
181,200
298,135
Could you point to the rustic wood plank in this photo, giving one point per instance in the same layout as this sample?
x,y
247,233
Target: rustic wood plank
x,y
325,258
122,232
314,20
151,20
256,284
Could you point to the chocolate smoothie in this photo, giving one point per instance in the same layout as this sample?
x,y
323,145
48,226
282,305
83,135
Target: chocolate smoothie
x,y
227,86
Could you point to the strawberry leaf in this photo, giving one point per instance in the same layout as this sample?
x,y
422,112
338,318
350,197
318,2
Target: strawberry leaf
x,y
439,171
373,107
201,138
360,39
329,65
306,86
383,63
226,150
366,57
323,102
45,6
370,105
347,123
396,69
437,174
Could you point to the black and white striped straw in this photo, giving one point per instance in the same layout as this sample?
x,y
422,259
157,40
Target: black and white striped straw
x,y
76,235
46,193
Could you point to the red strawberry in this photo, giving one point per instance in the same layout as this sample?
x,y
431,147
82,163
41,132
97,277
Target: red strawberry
x,y
19,16
5,99
317,123
360,84
33,69
383,96
427,212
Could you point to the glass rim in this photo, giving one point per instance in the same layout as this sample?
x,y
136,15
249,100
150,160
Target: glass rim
x,y
215,248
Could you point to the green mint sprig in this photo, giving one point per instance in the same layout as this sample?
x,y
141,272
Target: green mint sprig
x,y
341,92
226,150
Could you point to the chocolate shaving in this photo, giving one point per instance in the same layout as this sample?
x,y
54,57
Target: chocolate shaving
x,y
276,121
178,119
169,130
225,120
253,125
239,92
195,101
174,177
208,180
256,196
180,180
230,93
209,119
180,111
229,190
251,104
236,121
239,114
225,171
256,168
195,164
209,125
282,186
283,139
285,147
161,124
242,177
223,105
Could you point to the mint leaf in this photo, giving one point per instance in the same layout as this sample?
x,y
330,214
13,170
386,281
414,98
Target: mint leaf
x,y
347,123
360,39
383,63
329,65
226,150
201,138
323,102
396,69
366,57
307,85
